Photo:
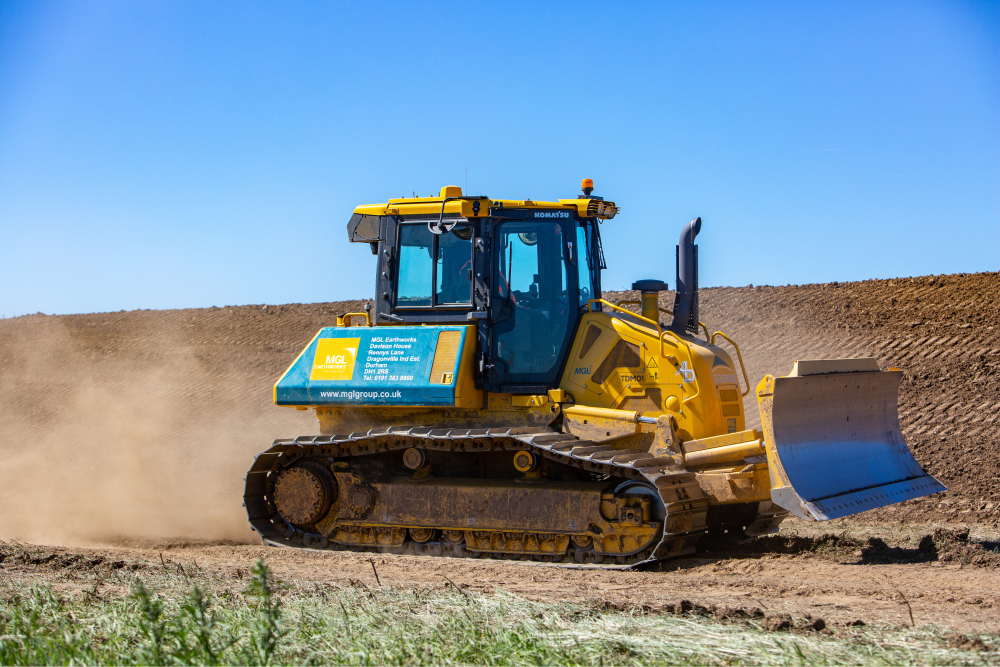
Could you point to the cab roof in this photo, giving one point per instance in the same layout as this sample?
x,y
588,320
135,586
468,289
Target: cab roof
x,y
455,203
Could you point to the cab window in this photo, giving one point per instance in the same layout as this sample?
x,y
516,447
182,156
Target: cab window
x,y
415,245
453,268
434,269
584,263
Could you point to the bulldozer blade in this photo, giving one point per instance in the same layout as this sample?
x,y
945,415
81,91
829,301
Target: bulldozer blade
x,y
833,441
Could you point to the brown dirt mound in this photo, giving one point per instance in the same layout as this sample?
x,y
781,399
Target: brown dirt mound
x,y
142,424
942,545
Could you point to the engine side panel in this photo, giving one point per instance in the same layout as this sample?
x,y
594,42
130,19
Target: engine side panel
x,y
383,366
622,364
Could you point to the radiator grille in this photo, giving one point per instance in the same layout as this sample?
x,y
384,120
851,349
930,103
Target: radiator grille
x,y
445,354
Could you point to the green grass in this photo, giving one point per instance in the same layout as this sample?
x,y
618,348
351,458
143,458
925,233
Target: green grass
x,y
282,623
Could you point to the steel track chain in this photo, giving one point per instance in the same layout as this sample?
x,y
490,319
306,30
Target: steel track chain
x,y
685,503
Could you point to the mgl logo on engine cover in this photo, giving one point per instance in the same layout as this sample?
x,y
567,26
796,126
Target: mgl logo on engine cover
x,y
335,359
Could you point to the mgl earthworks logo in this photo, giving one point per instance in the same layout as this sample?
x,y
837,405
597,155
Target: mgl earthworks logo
x,y
335,359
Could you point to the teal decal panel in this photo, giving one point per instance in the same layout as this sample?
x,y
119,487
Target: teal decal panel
x,y
370,366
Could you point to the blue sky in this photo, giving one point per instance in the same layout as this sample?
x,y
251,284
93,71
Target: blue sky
x,y
188,154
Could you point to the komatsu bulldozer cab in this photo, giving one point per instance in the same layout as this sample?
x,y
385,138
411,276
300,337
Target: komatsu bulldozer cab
x,y
521,271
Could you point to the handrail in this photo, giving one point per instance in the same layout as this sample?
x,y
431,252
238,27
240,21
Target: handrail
x,y
697,386
659,330
670,312
739,356
345,319
635,302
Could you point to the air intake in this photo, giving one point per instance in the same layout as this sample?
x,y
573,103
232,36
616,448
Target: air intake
x,y
365,228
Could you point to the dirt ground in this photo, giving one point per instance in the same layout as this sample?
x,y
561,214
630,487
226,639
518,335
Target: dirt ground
x,y
135,428
777,576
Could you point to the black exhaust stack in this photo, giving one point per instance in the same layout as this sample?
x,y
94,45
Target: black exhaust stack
x,y
686,298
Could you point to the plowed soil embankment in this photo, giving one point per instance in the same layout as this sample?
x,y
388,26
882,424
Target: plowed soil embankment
x,y
142,423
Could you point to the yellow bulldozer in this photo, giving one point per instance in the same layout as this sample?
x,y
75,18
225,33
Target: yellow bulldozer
x,y
490,404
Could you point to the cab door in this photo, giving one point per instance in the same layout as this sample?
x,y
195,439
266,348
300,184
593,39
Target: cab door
x,y
534,302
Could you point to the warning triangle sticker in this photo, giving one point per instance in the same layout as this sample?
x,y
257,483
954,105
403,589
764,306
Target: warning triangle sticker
x,y
652,363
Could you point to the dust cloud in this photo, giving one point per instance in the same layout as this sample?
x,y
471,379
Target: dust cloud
x,y
126,433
